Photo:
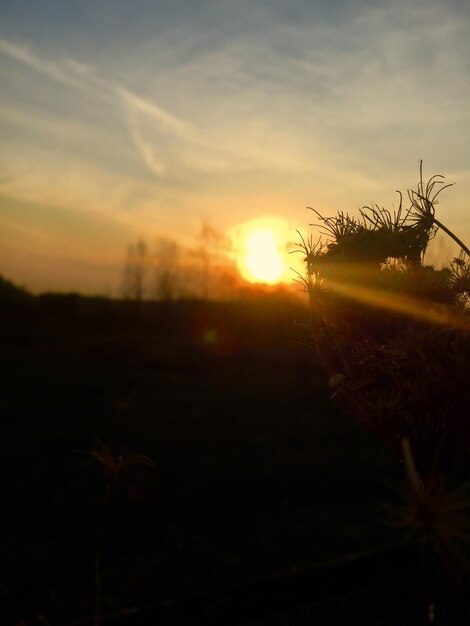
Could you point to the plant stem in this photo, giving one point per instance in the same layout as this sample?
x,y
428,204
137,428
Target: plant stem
x,y
99,542
451,234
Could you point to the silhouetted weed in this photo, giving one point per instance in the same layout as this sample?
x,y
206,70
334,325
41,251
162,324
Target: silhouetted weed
x,y
393,335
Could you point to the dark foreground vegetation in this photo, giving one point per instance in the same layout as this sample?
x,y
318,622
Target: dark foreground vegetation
x,y
194,440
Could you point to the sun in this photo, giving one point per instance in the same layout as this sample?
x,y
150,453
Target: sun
x,y
260,258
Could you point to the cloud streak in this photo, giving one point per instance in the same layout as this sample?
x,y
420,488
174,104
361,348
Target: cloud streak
x,y
169,145
165,141
140,115
51,69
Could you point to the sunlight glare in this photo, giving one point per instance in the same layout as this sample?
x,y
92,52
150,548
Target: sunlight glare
x,y
261,260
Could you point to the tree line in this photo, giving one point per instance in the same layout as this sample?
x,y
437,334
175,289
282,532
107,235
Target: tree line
x,y
167,270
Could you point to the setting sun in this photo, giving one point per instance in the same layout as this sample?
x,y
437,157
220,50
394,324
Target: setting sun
x,y
261,260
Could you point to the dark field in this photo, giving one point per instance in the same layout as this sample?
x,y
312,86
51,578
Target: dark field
x,y
255,473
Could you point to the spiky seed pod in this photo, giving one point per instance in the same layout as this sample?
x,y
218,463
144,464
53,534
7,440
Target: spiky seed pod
x,y
393,335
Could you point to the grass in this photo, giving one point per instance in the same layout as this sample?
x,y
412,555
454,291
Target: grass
x,y
255,472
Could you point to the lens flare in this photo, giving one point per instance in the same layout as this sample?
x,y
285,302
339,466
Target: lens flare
x,y
401,303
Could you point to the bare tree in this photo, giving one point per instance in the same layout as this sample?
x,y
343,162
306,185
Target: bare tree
x,y
135,271
166,268
213,254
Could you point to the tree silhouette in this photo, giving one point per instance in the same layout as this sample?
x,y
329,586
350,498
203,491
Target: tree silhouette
x,y
212,253
135,271
166,268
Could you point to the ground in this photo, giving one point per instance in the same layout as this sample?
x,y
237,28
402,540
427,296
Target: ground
x,y
254,471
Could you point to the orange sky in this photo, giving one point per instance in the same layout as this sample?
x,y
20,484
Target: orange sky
x,y
119,122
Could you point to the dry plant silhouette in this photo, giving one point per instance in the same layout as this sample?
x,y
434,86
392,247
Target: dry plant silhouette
x,y
114,467
393,335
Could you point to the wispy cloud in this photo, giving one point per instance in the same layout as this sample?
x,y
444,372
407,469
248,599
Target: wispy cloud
x,y
292,97
384,85
159,136
54,70
167,121
171,145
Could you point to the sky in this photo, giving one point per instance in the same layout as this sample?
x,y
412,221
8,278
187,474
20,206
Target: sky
x,y
121,120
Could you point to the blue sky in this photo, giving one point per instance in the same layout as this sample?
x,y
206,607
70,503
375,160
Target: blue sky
x,y
122,119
